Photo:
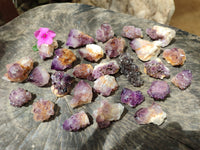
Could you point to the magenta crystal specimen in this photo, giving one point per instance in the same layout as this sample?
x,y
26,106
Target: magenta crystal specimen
x,y
76,122
132,98
156,69
39,76
77,38
61,83
82,94
83,71
104,33
106,68
115,46
131,32
105,85
183,79
152,114
108,112
63,59
19,97
159,90
130,70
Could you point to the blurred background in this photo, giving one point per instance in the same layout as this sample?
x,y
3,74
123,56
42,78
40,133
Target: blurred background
x,y
183,14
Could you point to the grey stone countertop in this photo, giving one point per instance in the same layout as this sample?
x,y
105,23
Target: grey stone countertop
x,y
18,130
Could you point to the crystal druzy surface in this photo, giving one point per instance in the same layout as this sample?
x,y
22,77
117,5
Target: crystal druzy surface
x,y
83,71
104,33
131,32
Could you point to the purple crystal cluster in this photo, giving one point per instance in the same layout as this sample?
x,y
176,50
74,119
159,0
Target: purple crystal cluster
x,y
104,33
39,76
132,98
83,71
183,79
153,34
105,85
152,114
61,83
19,97
114,47
107,68
46,51
130,70
43,110
63,59
77,38
156,69
82,94
76,122
108,112
131,32
159,90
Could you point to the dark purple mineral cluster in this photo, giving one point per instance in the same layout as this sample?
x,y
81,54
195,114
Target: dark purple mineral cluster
x,y
183,79
19,97
104,33
61,83
159,90
132,98
130,70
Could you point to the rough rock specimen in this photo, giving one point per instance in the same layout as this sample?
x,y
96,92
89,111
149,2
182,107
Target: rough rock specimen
x,y
83,71
42,110
77,38
105,85
114,47
159,90
152,114
19,71
82,94
144,49
108,112
39,76
106,68
183,79
131,32
61,83
76,122
46,51
104,33
156,69
163,35
130,70
63,59
19,97
132,98
92,52
174,56
157,10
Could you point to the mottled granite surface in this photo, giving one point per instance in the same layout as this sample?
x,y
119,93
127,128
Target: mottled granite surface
x,y
18,130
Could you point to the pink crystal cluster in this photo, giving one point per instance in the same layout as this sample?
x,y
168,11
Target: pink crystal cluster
x,y
132,98
131,32
76,122
19,97
83,71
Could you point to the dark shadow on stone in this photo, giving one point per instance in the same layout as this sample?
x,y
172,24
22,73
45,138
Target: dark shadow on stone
x,y
96,140
152,137
60,44
2,50
34,96
95,95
